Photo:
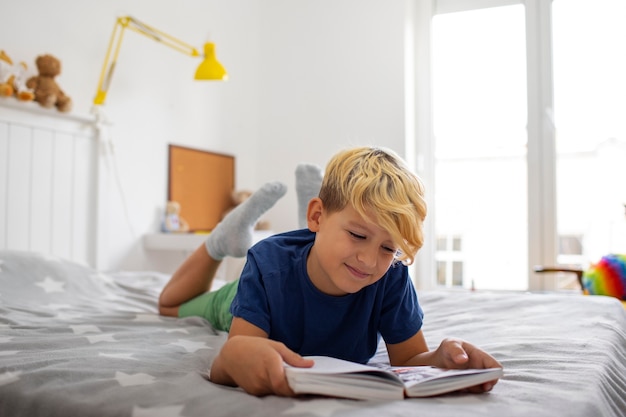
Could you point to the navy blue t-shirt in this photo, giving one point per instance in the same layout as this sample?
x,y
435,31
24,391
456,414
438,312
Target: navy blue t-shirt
x,y
276,295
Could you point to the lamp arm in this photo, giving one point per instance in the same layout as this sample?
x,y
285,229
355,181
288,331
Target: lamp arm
x,y
110,59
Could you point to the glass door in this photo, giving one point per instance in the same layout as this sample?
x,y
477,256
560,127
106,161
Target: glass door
x,y
590,115
480,143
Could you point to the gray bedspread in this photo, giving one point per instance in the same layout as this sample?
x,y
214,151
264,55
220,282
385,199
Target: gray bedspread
x,y
76,342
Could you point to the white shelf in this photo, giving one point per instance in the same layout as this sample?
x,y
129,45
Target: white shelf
x,y
186,241
31,107
169,250
173,241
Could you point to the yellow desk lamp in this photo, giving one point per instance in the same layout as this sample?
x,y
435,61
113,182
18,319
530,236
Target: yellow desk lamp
x,y
209,69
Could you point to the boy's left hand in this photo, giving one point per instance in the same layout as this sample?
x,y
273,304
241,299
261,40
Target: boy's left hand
x,y
459,354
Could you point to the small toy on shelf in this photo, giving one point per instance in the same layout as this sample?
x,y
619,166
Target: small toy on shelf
x,y
238,197
172,222
6,75
13,79
22,92
47,92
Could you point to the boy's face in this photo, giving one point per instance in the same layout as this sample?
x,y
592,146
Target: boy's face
x,y
349,253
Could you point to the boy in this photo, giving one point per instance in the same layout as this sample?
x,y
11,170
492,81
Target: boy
x,y
332,289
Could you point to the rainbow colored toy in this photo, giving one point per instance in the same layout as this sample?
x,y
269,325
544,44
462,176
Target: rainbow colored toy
x,y
607,277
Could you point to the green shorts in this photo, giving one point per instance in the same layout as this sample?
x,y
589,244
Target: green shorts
x,y
213,306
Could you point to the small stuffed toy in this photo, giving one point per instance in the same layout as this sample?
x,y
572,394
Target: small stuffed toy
x,y
47,92
22,92
172,222
13,79
6,75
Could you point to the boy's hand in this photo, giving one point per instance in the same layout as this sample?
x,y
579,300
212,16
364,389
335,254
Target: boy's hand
x,y
459,354
256,364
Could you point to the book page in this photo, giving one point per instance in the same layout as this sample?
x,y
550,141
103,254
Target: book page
x,y
328,365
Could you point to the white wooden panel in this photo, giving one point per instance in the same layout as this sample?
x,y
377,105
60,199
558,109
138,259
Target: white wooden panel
x,y
41,191
84,201
48,167
62,195
18,187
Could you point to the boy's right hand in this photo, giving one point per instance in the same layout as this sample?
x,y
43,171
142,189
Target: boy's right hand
x,y
256,364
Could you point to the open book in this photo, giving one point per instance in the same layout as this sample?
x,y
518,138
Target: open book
x,y
339,378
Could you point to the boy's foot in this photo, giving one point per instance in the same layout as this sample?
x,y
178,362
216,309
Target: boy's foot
x,y
308,183
233,236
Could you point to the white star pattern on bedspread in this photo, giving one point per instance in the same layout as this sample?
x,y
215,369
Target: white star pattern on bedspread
x,y
321,407
171,411
85,328
148,318
128,380
179,330
49,285
100,338
9,377
190,346
89,328
66,316
63,312
128,356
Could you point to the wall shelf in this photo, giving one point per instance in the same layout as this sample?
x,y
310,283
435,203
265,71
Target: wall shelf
x,y
169,250
186,242
173,241
32,107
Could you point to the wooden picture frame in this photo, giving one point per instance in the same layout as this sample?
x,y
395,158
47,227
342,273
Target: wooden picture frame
x,y
202,182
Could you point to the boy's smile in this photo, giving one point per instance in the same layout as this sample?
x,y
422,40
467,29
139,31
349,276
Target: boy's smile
x,y
349,253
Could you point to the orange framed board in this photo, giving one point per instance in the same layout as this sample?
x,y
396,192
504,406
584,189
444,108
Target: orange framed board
x,y
202,183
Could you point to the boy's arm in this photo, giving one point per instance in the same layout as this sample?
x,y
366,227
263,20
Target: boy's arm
x,y
192,278
252,361
451,353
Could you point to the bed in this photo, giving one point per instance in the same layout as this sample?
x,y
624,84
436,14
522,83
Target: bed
x,y
76,340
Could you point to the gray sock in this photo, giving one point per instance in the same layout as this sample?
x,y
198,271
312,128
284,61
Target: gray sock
x,y
308,183
233,235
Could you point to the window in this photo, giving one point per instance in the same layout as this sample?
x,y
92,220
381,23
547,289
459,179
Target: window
x,y
520,134
450,261
590,104
479,102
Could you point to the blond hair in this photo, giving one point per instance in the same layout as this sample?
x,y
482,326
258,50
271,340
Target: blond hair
x,y
373,178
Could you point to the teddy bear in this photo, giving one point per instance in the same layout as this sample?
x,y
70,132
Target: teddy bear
x,y
13,79
47,92
172,222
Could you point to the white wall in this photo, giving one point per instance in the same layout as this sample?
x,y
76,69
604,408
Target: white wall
x,y
306,78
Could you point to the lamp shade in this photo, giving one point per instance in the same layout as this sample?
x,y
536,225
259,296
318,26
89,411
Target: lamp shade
x,y
210,68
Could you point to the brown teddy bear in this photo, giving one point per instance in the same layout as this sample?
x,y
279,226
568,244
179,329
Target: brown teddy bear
x,y
47,92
